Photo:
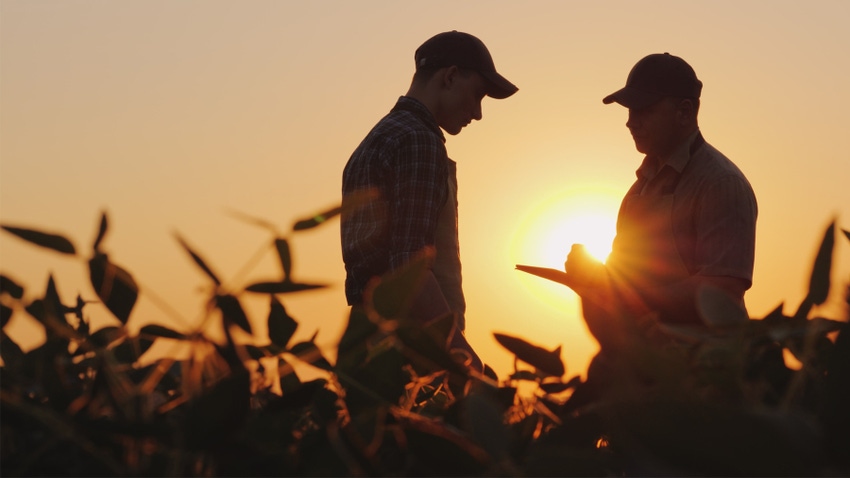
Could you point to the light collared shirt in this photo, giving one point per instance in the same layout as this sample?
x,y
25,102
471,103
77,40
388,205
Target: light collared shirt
x,y
714,208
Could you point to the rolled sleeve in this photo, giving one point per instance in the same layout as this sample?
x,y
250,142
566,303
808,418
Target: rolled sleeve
x,y
725,242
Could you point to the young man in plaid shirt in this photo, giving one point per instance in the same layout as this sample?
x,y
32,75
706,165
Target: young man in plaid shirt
x,y
403,163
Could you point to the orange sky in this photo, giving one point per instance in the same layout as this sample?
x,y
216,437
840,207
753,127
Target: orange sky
x,y
168,114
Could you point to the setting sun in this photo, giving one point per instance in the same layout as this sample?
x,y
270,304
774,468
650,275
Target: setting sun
x,y
577,215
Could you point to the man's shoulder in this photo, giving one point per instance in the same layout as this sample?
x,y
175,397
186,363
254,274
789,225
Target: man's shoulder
x,y
398,123
397,128
713,164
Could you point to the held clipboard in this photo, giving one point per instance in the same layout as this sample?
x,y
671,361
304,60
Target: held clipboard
x,y
554,275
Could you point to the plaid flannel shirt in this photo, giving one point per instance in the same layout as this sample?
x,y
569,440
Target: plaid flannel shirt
x,y
403,160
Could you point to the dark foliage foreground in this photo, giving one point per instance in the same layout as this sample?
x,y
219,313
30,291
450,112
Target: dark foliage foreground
x,y
718,402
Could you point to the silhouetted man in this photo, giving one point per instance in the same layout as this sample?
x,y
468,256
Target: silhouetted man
x,y
403,160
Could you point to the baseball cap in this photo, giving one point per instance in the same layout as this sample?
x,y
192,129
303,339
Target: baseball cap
x,y
463,50
654,77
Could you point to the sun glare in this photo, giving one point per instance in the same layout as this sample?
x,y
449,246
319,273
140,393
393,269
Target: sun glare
x,y
576,216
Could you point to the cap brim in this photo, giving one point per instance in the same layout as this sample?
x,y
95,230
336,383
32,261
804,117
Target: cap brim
x,y
632,98
500,87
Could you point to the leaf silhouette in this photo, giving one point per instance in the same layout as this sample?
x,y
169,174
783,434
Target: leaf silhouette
x,y
77,308
198,260
558,387
255,352
105,336
160,331
295,394
10,351
281,325
317,219
131,349
5,315
253,220
281,287
846,234
116,287
393,294
353,346
308,352
232,311
285,256
55,242
101,232
426,351
819,282
54,313
10,287
540,358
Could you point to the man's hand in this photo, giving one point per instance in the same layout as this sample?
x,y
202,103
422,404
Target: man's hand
x,y
584,271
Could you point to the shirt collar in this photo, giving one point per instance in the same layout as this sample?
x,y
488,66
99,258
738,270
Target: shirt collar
x,y
677,160
412,105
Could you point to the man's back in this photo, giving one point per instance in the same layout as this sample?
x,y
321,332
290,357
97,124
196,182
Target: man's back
x,y
403,161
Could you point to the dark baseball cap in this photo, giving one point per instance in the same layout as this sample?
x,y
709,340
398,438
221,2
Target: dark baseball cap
x,y
654,77
463,50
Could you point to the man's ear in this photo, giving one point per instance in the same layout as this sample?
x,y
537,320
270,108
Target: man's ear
x,y
686,111
449,76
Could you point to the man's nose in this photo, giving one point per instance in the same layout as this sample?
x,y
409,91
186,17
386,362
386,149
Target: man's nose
x,y
632,120
477,114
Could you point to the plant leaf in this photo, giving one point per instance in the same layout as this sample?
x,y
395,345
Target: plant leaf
x,y
296,394
116,287
10,351
526,375
57,326
354,344
10,287
55,242
308,352
107,335
255,352
131,349
542,359
232,311
289,381
281,326
5,315
392,295
558,387
253,220
100,233
160,331
281,287
285,256
198,260
317,219
383,374
820,281
427,351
